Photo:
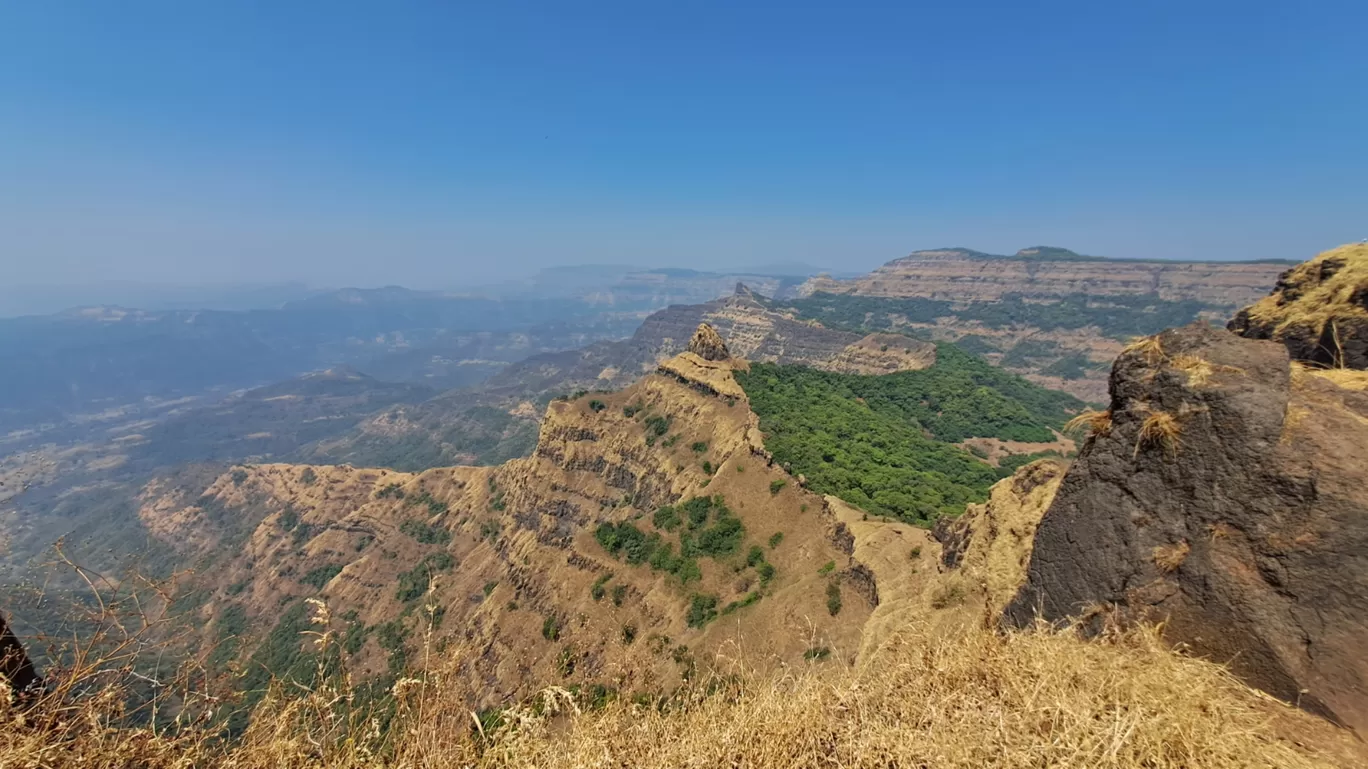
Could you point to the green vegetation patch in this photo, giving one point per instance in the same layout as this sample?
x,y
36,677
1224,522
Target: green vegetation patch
x,y
415,582
884,443
426,533
317,578
702,527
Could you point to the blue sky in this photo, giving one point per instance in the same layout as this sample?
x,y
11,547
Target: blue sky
x,y
437,144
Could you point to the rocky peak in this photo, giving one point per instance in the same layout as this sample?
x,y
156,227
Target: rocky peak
x,y
707,344
743,291
1318,310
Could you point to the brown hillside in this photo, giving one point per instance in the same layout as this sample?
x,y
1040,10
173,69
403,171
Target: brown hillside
x,y
529,597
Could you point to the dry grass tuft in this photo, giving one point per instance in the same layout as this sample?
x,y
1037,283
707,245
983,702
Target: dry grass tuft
x,y
1320,300
1160,429
1200,370
1095,422
1149,347
1346,378
1169,557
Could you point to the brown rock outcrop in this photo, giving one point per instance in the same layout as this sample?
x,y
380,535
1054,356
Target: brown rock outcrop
x,y
1224,493
1319,310
707,345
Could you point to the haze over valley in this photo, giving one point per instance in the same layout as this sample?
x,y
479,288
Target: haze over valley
x,y
710,385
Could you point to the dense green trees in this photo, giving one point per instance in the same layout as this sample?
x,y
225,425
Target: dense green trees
x,y
883,442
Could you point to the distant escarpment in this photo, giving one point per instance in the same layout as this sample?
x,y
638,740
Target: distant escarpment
x,y
1223,492
1051,315
962,275
748,327
1319,310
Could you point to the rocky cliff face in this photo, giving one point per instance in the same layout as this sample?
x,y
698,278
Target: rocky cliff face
x,y
1319,310
1223,492
961,275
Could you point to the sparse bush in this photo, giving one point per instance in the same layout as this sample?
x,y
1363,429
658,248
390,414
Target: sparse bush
x,y
597,591
308,477
239,476
833,592
657,425
777,485
914,553
666,518
775,539
755,556
425,533
596,405
619,594
827,567
950,594
699,447
817,653
321,576
551,627
414,583
702,609
629,634
289,518
390,491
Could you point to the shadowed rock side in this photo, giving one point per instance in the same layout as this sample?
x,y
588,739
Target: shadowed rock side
x,y
1224,493
16,670
1319,310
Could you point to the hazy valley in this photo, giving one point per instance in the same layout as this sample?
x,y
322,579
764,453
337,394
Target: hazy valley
x,y
815,482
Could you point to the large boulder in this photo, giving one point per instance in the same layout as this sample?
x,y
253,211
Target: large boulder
x,y
1318,309
1226,494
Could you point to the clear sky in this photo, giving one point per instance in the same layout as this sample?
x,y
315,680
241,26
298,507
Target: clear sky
x,y
435,144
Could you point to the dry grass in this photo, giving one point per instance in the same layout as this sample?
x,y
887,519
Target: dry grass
x,y
1160,429
1346,378
1095,423
1169,557
1320,301
1148,347
978,699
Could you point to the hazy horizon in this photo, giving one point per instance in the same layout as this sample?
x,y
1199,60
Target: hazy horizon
x,y
348,144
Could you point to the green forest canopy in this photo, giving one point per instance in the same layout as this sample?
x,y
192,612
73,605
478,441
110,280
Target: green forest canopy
x,y
885,443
